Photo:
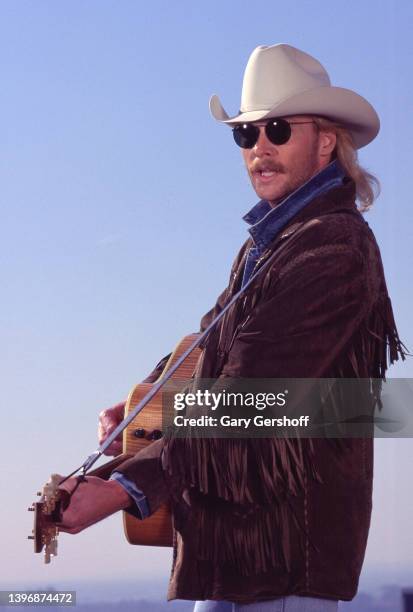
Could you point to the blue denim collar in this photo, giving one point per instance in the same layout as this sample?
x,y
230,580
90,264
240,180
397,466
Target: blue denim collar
x,y
267,221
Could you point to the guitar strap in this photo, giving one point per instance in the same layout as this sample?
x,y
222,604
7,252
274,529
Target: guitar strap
x,y
91,459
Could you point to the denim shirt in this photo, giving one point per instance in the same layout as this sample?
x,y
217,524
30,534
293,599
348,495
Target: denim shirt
x,y
265,221
141,508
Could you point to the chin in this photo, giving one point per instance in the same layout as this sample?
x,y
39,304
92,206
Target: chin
x,y
274,196
274,193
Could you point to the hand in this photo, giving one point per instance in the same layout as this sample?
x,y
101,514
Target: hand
x,y
109,419
88,501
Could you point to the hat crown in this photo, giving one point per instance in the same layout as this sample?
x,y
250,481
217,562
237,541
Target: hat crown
x,y
280,81
274,73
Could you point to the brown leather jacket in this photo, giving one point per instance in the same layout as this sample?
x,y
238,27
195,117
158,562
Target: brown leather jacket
x,y
298,523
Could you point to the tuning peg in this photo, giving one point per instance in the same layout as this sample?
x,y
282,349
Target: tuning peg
x,y
155,434
31,509
139,433
30,537
38,493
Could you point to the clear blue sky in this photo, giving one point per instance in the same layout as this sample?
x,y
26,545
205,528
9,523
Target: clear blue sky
x,y
115,181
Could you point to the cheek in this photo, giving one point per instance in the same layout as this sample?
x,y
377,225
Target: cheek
x,y
287,156
297,155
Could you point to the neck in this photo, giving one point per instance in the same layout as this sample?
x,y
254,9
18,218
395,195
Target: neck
x,y
275,203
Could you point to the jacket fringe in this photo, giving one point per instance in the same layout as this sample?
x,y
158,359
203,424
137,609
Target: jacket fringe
x,y
240,496
374,348
246,543
249,472
389,347
240,490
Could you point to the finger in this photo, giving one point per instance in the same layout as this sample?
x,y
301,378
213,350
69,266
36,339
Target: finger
x,y
108,430
69,485
104,432
109,419
102,437
114,449
71,530
108,422
114,414
119,410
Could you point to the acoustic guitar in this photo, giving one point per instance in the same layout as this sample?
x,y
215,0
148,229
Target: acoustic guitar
x,y
156,530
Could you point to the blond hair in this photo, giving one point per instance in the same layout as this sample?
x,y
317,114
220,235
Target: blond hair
x,y
367,185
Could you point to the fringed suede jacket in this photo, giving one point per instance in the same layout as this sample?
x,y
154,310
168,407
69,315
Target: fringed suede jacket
x,y
260,519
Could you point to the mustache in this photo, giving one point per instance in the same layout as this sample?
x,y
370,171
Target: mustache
x,y
266,166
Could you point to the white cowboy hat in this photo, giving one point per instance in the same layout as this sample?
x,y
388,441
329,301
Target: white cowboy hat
x,y
281,80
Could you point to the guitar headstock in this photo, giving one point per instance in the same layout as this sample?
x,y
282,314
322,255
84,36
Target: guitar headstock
x,y
46,513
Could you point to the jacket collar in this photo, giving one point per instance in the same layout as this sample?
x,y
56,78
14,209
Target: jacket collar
x,y
340,199
266,222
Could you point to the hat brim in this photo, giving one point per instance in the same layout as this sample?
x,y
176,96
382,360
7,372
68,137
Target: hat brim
x,y
336,103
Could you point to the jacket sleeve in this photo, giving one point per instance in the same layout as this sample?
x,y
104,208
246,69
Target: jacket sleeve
x,y
214,312
146,472
156,372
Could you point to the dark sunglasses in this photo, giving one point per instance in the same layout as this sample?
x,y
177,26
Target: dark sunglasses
x,y
278,131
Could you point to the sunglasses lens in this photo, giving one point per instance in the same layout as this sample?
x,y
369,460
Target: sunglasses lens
x,y
246,135
278,131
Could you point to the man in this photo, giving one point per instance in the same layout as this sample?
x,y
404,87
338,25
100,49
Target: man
x,y
265,520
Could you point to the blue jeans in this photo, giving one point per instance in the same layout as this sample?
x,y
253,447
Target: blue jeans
x,y
291,603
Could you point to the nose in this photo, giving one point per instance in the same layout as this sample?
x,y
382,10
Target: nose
x,y
263,146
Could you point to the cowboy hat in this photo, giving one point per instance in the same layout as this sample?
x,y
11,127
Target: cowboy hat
x,y
280,80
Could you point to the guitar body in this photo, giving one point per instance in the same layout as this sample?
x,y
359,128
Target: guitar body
x,y
156,530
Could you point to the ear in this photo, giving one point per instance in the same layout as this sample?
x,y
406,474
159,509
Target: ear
x,y
327,143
